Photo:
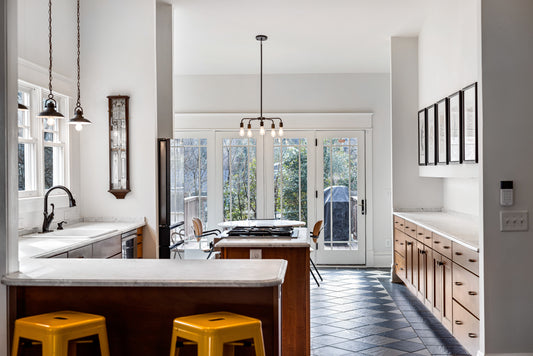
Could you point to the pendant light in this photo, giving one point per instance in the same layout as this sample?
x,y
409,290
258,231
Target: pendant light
x,y
78,118
49,113
261,118
22,107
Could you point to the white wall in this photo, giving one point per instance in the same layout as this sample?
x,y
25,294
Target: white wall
x,y
507,86
409,190
448,61
164,46
119,57
307,93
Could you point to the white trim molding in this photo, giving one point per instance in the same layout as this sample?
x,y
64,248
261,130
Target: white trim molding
x,y
38,75
299,121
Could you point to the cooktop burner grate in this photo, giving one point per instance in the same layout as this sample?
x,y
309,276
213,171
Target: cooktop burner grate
x,y
263,231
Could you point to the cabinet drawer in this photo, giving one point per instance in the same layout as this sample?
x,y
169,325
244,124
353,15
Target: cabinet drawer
x,y
107,248
420,233
399,265
82,252
442,245
465,328
409,228
399,242
398,223
466,257
426,238
466,289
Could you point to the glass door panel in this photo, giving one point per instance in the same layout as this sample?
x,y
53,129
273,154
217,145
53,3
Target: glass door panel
x,y
340,177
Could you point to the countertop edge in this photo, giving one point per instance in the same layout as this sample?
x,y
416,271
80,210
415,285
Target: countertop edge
x,y
436,230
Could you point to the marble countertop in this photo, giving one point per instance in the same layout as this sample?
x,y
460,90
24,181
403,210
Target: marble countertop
x,y
300,241
148,273
462,229
73,236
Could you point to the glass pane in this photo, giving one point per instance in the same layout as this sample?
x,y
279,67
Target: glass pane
x,y
190,141
48,167
203,142
239,141
253,183
48,136
226,182
278,188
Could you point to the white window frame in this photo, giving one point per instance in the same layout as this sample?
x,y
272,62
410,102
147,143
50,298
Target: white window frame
x,y
37,96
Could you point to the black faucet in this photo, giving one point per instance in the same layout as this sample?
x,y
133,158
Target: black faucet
x,y
48,218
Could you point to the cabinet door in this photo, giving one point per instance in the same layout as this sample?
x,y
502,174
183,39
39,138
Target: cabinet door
x,y
422,271
108,247
82,252
447,288
438,284
409,247
416,267
430,277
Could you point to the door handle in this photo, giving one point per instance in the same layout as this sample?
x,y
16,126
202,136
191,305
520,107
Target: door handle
x,y
363,206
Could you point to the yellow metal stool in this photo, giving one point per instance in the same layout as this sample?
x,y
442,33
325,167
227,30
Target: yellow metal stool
x,y
54,330
212,330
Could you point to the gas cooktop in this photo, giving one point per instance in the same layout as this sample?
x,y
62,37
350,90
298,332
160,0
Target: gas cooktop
x,y
263,232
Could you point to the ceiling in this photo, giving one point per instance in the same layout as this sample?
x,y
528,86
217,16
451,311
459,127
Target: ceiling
x,y
214,37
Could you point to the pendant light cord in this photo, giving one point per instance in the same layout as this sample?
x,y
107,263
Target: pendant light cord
x,y
78,103
50,95
261,81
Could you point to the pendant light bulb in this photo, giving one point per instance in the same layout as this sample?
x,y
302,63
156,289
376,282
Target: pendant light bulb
x,y
249,133
273,130
280,128
262,128
79,127
241,130
50,121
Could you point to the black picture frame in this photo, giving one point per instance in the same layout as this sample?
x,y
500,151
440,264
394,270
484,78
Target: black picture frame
x,y
431,135
470,124
422,138
455,128
441,128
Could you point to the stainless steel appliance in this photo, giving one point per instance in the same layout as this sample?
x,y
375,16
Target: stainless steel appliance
x,y
129,244
263,231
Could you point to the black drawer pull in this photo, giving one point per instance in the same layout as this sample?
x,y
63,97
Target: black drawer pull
x,y
458,283
446,247
458,322
422,252
458,253
428,237
472,335
436,242
472,293
420,233
439,263
472,260
409,243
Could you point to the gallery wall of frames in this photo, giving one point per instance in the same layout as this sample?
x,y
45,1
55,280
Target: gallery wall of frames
x,y
448,129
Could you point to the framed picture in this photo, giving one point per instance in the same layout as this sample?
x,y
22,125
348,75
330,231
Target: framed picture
x,y
470,142
431,137
442,131
422,138
454,128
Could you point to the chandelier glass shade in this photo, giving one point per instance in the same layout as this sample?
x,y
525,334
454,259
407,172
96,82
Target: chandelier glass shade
x,y
261,119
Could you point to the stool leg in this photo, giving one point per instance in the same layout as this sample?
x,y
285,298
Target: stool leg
x,y
104,343
16,341
55,346
215,345
258,342
173,344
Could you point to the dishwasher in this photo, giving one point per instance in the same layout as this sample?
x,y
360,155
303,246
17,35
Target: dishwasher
x,y
129,244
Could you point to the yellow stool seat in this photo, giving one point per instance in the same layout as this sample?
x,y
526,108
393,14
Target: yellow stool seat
x,y
211,331
54,330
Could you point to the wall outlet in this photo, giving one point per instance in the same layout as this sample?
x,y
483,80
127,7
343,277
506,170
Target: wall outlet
x,y
516,220
255,254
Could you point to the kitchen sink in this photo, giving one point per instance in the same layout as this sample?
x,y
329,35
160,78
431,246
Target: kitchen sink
x,y
76,232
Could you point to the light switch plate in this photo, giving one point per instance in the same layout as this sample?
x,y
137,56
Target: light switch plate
x,y
514,220
255,254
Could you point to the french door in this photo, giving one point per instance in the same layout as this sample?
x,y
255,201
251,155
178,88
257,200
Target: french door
x,y
340,197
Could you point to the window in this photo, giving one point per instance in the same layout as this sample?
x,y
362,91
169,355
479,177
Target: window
x,y
239,175
41,144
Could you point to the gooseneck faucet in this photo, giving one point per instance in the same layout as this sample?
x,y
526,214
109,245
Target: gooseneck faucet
x,y
48,218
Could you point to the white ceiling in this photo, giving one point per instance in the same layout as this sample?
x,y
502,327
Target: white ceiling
x,y
305,36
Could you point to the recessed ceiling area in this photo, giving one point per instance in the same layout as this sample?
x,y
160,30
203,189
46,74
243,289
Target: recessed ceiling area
x,y
213,37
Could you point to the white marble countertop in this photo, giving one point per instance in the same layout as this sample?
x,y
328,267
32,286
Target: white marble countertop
x,y
462,229
73,236
148,273
300,241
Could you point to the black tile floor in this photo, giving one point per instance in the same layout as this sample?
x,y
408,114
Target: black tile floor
x,y
360,312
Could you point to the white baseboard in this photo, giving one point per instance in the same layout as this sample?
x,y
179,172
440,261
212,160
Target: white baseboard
x,y
479,353
382,259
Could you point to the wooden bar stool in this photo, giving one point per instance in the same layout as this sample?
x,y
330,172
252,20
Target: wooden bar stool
x,y
211,331
54,330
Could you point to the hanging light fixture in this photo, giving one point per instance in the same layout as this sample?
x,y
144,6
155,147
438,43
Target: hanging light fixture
x,y
261,118
49,113
78,118
22,107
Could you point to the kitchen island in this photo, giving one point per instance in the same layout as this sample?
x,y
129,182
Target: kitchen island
x,y
140,298
295,325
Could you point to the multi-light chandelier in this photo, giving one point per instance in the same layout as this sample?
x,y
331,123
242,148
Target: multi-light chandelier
x,y
261,119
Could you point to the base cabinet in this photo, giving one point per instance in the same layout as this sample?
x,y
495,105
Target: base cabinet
x,y
443,275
